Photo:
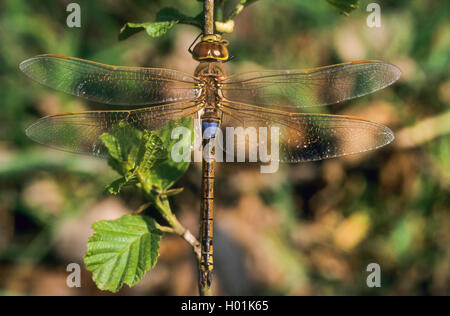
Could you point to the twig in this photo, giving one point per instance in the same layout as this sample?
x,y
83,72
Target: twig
x,y
193,242
187,236
162,205
208,13
227,25
238,9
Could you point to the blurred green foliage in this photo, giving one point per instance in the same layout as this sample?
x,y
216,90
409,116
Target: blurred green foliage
x,y
309,229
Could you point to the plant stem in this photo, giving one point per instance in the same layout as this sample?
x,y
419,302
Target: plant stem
x,y
204,290
238,9
163,206
208,13
161,203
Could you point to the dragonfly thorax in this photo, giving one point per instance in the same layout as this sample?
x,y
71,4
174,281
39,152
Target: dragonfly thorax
x,y
210,75
210,69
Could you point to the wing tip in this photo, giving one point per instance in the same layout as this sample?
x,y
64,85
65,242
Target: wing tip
x,y
29,131
24,64
394,71
388,134
27,62
384,134
397,71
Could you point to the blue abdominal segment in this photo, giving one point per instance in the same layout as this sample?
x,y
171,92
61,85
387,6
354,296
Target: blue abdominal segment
x,y
209,129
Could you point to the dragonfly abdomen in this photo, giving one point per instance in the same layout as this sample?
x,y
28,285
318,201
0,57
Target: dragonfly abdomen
x,y
207,222
210,125
209,129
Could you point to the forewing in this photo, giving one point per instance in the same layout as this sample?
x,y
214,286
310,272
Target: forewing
x,y
80,132
299,137
111,84
309,87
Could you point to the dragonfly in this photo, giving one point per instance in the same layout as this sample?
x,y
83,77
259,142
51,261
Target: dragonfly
x,y
152,97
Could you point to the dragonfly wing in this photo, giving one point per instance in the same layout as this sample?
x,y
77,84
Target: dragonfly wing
x,y
111,84
310,87
81,132
298,137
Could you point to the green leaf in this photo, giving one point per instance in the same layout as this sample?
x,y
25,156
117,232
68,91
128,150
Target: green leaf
x,y
129,147
122,142
153,29
116,186
344,6
166,172
146,155
116,165
151,149
121,251
113,146
165,20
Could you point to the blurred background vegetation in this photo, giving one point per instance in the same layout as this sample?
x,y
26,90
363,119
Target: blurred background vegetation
x,y
310,229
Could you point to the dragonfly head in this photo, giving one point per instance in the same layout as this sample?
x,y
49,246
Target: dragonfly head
x,y
211,48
